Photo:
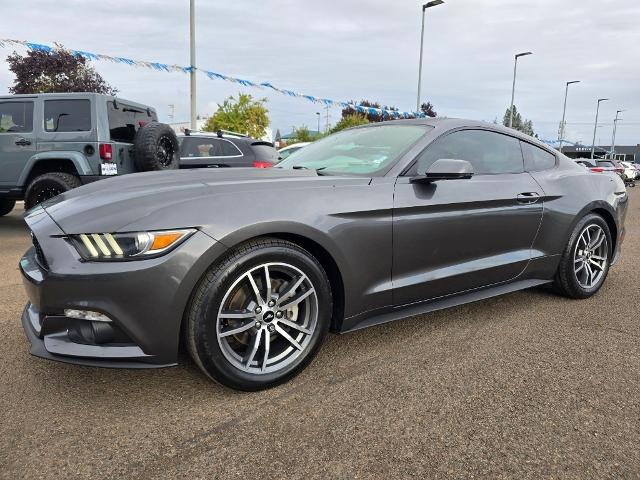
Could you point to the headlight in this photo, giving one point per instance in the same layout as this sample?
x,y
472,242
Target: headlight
x,y
124,246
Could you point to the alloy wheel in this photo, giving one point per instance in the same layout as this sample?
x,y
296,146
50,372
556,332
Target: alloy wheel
x,y
590,256
267,318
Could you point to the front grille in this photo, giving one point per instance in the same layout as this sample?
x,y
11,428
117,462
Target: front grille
x,y
39,253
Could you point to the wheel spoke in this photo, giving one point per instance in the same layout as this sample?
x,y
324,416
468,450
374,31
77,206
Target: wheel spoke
x,y
236,314
597,265
267,282
589,279
579,269
292,289
598,242
267,346
295,325
236,330
288,337
296,300
252,349
256,292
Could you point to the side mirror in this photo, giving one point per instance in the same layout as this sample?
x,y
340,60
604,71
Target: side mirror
x,y
445,169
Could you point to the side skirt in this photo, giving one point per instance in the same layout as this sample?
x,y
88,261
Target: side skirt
x,y
372,318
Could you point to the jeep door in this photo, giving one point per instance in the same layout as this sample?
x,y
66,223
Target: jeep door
x,y
17,139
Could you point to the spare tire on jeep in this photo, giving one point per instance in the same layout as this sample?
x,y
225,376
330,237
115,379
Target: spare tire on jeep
x,y
156,148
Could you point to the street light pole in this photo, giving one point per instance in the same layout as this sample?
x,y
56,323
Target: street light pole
x,y
564,111
424,8
192,71
613,138
595,127
513,87
318,114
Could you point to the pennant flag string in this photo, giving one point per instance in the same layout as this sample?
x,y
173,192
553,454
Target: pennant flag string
x,y
163,67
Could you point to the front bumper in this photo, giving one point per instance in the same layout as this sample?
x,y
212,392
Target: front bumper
x,y
145,300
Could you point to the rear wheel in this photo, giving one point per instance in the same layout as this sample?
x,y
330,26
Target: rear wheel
x,y
6,206
260,316
585,261
48,186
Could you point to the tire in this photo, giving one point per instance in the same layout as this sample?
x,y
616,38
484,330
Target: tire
x,y
47,186
577,262
227,288
6,206
156,148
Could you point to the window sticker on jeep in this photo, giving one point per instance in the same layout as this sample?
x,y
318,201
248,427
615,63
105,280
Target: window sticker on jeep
x,y
108,169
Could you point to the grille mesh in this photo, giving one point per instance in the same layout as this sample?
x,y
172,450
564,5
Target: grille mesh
x,y
39,253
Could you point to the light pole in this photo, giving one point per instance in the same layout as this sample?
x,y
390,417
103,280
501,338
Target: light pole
x,y
513,87
433,3
192,71
595,127
613,138
564,111
318,115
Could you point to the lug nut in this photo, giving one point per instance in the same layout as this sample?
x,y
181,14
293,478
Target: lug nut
x,y
271,303
258,324
258,309
278,314
272,328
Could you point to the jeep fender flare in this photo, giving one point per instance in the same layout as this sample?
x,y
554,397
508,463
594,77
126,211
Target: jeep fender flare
x,y
80,162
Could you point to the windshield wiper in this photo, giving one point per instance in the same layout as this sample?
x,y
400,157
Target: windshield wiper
x,y
317,170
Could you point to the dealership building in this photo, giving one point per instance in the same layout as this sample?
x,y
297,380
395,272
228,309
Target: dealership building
x,y
622,152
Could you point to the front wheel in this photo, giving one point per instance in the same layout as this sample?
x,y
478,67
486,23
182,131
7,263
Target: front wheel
x,y
259,317
6,206
585,262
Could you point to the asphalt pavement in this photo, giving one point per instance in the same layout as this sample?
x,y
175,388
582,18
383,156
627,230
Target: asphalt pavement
x,y
528,385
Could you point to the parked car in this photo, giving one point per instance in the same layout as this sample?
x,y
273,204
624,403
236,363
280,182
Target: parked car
x,y
51,143
288,150
600,166
224,149
252,267
631,170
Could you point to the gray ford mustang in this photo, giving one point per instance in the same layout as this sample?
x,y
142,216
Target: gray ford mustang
x,y
251,268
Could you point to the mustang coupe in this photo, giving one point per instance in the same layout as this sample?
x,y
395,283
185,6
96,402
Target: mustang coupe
x,y
249,269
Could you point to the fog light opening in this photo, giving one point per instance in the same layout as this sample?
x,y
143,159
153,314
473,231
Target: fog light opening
x,y
86,315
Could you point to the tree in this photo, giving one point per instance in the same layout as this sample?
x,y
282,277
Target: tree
x,y
427,109
278,137
353,120
302,134
244,115
58,71
524,126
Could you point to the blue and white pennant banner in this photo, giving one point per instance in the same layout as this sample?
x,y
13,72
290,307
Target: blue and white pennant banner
x,y
163,67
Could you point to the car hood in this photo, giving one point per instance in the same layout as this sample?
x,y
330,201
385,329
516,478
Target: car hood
x,y
115,204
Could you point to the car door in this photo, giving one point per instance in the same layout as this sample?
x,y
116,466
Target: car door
x,y
17,139
450,236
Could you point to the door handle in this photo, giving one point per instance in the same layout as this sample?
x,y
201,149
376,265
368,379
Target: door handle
x,y
528,197
23,142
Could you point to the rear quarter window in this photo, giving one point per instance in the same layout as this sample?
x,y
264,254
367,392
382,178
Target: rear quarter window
x,y
125,121
67,115
537,159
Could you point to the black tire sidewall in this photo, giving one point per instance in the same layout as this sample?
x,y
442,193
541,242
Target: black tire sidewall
x,y
6,206
145,146
566,275
210,356
63,181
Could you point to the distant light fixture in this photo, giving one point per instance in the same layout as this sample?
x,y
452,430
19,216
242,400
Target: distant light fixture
x,y
523,54
433,3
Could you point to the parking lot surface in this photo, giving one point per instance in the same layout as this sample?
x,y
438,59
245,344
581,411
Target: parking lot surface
x,y
528,385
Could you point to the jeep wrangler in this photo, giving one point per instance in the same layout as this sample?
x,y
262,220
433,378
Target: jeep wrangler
x,y
51,143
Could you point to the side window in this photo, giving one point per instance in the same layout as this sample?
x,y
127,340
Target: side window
x,y
537,159
488,152
16,117
229,149
67,115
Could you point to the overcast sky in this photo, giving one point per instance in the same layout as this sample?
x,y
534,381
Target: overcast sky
x,y
354,49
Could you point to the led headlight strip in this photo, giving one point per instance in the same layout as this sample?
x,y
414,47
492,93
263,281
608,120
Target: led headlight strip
x,y
118,246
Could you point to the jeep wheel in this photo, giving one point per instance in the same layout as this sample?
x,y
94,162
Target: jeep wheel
x,y
48,186
6,206
156,148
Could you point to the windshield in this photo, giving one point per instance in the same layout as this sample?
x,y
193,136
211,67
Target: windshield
x,y
360,151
